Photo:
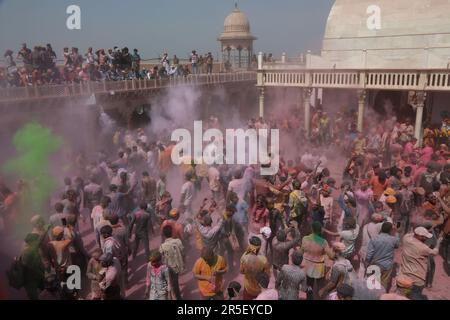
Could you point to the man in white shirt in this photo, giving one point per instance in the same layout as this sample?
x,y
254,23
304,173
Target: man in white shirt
x,y
110,284
56,219
327,201
160,186
194,62
369,231
214,182
98,218
187,195
307,160
152,157
90,58
142,136
238,185
93,193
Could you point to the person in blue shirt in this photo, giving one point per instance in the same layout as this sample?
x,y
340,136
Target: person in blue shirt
x,y
380,252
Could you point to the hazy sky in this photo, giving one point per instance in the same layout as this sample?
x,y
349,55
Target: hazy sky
x,y
154,26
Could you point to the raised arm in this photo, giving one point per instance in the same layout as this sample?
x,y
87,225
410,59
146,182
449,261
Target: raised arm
x,y
279,279
444,205
132,187
132,222
295,239
331,233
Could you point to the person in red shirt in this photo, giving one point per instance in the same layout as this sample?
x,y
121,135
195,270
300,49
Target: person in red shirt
x,y
177,228
259,215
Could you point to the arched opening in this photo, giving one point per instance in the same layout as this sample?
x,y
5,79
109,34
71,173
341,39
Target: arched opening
x,y
392,103
140,116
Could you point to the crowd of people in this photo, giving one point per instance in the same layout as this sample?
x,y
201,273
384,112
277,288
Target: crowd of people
x,y
370,233
40,66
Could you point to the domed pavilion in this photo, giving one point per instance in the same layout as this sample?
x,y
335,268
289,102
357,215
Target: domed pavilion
x,y
236,41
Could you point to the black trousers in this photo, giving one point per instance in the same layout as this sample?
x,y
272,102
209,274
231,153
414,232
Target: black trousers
x,y
145,241
175,283
316,285
430,271
445,250
226,247
416,293
112,293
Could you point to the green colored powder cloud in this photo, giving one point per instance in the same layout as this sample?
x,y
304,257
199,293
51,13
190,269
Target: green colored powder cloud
x,y
34,145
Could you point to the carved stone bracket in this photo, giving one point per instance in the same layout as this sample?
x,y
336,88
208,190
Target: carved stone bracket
x,y
417,99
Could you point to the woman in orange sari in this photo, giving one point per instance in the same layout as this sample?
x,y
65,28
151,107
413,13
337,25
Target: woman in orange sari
x,y
165,159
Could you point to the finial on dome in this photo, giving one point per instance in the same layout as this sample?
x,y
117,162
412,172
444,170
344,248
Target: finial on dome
x,y
235,5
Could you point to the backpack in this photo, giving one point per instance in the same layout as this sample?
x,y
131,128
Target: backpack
x,y
16,274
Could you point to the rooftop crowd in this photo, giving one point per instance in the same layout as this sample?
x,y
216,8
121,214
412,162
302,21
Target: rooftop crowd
x,y
40,66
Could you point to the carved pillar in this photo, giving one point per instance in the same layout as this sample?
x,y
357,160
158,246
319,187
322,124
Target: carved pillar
x,y
307,103
361,106
299,101
261,102
419,99
239,56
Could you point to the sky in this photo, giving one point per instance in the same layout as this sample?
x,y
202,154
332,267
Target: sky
x,y
155,26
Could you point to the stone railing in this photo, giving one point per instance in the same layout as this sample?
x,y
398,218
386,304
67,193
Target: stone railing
x,y
291,63
89,88
433,80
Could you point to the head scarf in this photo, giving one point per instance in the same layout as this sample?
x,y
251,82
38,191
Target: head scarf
x,y
254,246
252,249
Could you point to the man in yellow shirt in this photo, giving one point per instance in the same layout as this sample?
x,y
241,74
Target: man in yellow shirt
x,y
251,265
209,270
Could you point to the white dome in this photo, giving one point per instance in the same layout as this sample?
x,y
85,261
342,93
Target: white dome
x,y
236,27
414,33
237,21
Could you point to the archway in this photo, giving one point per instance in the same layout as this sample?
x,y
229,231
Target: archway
x,y
393,103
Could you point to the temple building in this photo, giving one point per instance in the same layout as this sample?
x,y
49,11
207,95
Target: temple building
x,y
236,42
390,56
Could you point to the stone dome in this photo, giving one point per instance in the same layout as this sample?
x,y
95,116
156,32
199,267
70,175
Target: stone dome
x,y
413,34
236,21
236,41
236,26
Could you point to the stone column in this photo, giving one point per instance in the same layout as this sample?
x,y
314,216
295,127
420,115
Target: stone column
x,y
260,60
299,101
419,104
307,103
239,57
261,102
361,106
221,62
317,101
